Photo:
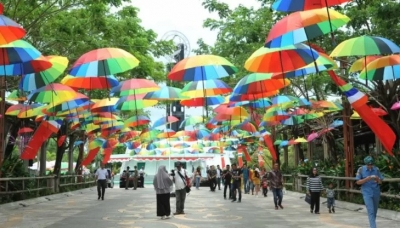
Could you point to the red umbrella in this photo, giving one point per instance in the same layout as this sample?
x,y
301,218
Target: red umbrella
x,y
24,130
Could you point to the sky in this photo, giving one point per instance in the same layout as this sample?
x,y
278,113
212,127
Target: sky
x,y
185,16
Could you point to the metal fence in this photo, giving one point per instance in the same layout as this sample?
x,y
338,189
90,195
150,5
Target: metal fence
x,y
298,183
18,188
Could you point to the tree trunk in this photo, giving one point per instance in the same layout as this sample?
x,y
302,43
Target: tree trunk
x,y
43,159
60,149
71,154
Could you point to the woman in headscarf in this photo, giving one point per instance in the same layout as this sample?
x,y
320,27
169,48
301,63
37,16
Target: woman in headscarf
x,y
162,184
370,178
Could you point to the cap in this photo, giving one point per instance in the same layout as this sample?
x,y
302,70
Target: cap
x,y
368,160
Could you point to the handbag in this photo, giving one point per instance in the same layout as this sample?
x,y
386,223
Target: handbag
x,y
186,181
308,199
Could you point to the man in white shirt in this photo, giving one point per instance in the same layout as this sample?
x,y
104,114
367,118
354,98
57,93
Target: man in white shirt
x,y
180,191
219,172
101,177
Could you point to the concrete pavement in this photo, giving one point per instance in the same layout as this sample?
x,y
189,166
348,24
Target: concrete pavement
x,y
136,209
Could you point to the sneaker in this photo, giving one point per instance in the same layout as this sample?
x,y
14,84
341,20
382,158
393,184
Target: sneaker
x,y
233,200
317,213
98,198
176,213
102,198
281,206
276,208
311,211
330,211
239,201
167,217
333,209
163,217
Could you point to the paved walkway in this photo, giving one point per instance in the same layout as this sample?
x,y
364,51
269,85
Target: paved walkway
x,y
135,209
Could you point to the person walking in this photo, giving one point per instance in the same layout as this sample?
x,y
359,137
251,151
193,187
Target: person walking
x,y
197,177
256,181
180,191
314,188
162,184
141,178
246,177
236,183
330,195
135,177
219,172
126,175
227,176
369,177
275,178
212,178
101,177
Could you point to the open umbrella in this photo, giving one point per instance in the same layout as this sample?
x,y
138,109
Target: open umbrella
x,y
301,5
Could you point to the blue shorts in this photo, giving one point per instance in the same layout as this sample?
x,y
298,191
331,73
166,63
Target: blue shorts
x,y
331,202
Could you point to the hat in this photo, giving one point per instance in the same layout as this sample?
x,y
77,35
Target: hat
x,y
368,160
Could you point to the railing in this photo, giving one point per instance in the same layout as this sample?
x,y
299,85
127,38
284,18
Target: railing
x,y
298,183
19,188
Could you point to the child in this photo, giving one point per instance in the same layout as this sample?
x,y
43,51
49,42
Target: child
x,y
265,185
330,194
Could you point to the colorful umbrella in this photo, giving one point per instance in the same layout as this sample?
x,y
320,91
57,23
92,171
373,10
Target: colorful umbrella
x,y
77,101
205,88
9,29
134,86
364,46
304,26
302,5
16,95
34,81
53,92
105,105
191,121
244,86
384,68
201,101
164,120
90,83
202,67
251,97
33,66
165,93
360,64
135,121
280,60
18,51
103,62
133,102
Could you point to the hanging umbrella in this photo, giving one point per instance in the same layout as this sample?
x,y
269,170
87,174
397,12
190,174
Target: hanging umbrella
x,y
9,29
134,86
77,101
105,105
301,140
16,95
244,86
165,93
304,26
135,121
164,121
90,83
33,81
205,88
28,67
364,46
201,101
133,103
251,97
360,64
15,109
18,51
312,136
302,5
257,103
384,68
202,67
280,60
52,93
103,62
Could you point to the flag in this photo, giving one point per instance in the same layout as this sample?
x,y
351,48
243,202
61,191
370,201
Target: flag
x,y
358,101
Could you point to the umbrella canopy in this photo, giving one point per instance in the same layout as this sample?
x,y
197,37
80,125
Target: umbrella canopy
x,y
134,86
244,86
133,102
302,5
384,68
135,121
18,51
280,60
34,81
360,64
164,120
52,93
102,62
9,29
105,105
364,46
202,67
165,93
201,101
304,26
205,88
33,66
251,97
90,83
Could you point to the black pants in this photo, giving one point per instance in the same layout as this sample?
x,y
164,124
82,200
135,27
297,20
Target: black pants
x,y
213,184
236,187
141,179
227,185
315,198
265,191
163,204
101,188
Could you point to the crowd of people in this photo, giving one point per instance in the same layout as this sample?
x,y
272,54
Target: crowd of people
x,y
249,179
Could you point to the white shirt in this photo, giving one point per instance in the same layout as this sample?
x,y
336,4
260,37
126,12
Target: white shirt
x,y
179,184
101,174
218,173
